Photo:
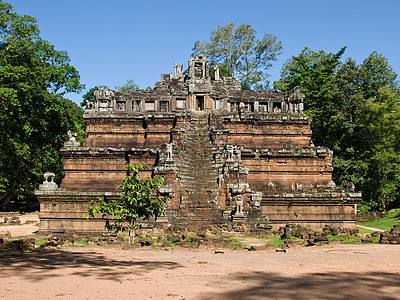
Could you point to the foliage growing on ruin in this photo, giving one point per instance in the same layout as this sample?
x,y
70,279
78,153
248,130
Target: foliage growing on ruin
x,y
138,200
128,87
34,117
246,57
356,112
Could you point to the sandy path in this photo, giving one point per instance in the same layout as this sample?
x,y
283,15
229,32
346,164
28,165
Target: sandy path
x,y
331,272
24,229
371,228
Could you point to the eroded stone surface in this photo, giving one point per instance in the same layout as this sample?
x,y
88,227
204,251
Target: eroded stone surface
x,y
228,155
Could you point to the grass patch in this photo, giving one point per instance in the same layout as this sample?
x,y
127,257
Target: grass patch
x,y
351,239
387,222
82,241
40,241
275,240
233,243
363,230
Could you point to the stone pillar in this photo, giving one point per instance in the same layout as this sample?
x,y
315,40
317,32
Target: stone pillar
x,y
256,106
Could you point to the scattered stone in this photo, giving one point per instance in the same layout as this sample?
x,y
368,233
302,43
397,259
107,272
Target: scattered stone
x,y
201,233
366,240
219,251
195,239
321,238
5,235
291,243
354,230
51,243
311,242
218,241
174,238
269,247
145,242
280,250
257,248
335,242
321,243
165,244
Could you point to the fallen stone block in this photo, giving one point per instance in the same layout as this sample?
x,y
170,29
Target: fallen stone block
x,y
321,239
321,243
257,248
366,240
165,244
174,238
311,242
51,243
292,243
5,235
280,250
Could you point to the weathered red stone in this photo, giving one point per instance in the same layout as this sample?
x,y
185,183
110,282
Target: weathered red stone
x,y
228,155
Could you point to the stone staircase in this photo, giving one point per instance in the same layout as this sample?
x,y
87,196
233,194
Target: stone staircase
x,y
198,173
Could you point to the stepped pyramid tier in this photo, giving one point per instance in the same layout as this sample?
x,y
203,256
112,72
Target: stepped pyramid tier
x,y
228,155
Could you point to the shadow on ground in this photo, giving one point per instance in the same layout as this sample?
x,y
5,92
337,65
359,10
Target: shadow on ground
x,y
35,266
332,285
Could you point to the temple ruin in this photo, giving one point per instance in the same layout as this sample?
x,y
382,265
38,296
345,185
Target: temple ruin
x,y
228,155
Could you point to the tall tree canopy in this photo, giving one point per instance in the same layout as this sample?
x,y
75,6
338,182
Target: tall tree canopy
x,y
239,51
34,117
128,87
356,112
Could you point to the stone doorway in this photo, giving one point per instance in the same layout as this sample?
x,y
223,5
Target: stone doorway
x,y
200,102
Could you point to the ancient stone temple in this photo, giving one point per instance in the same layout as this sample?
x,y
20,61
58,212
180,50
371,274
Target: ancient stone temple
x,y
229,156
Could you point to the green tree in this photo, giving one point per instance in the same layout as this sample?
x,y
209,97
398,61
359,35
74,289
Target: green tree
x,y
34,117
223,72
356,112
239,51
381,124
138,200
314,73
128,87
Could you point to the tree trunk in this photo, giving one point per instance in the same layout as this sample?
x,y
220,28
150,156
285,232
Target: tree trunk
x,y
11,191
131,232
383,195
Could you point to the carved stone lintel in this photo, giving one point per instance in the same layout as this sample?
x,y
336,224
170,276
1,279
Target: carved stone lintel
x,y
238,219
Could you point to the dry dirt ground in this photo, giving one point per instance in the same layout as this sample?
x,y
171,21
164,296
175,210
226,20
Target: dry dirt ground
x,y
328,272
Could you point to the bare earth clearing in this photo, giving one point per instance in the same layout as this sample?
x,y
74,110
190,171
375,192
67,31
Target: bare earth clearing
x,y
329,272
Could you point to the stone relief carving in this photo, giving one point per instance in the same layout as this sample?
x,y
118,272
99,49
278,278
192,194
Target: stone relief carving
x,y
89,104
239,205
48,183
229,153
71,142
168,152
216,72
178,71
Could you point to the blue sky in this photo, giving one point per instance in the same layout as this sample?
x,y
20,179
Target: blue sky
x,y
112,41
